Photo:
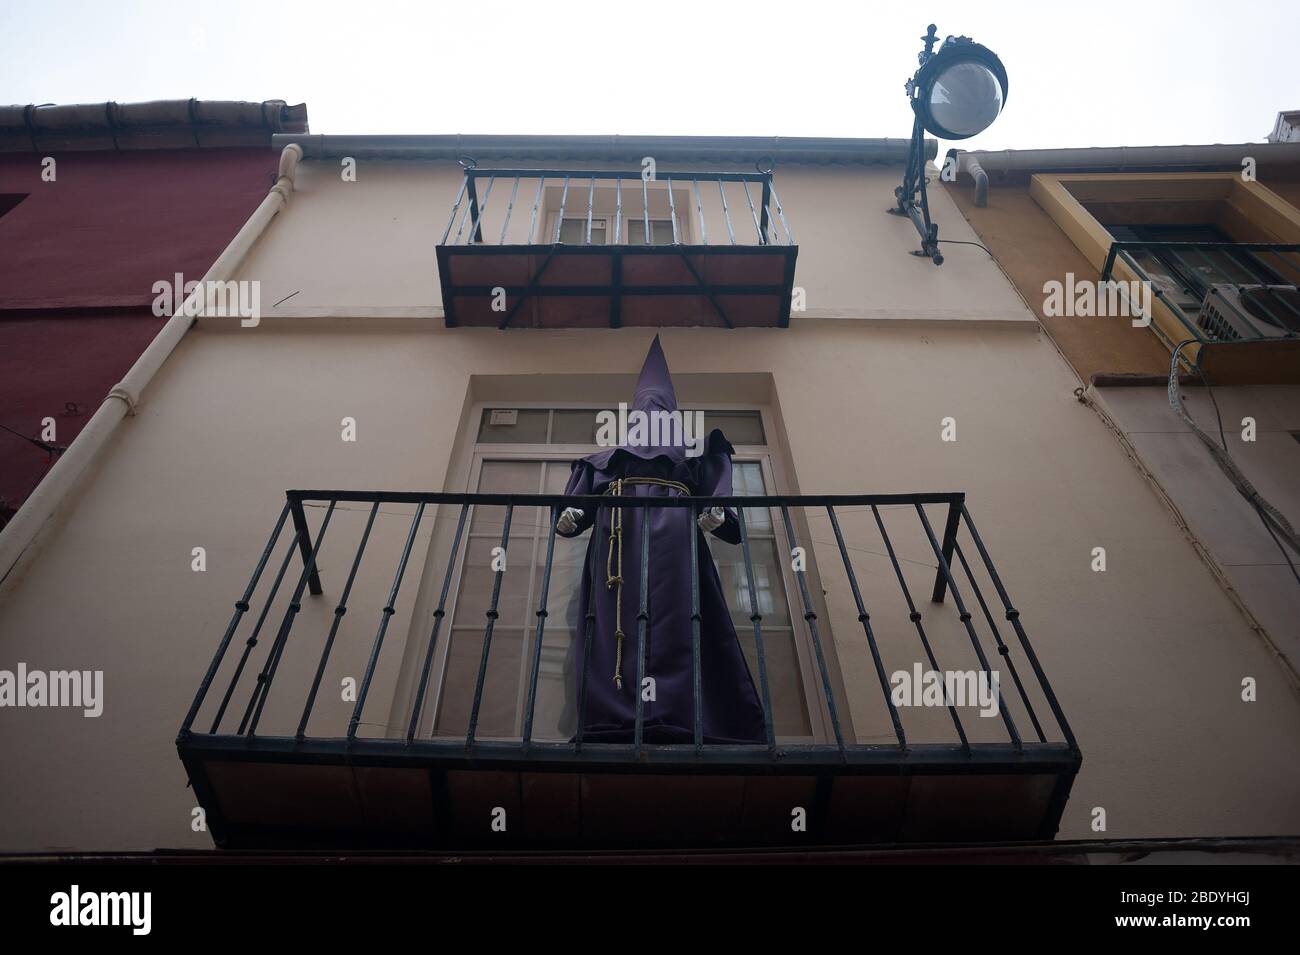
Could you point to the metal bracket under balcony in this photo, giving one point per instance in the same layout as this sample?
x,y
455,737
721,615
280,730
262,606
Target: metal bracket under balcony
x,y
616,248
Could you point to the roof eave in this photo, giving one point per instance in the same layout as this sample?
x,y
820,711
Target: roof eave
x,y
711,149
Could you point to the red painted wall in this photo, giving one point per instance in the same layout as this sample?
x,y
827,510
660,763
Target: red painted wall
x,y
78,260
112,224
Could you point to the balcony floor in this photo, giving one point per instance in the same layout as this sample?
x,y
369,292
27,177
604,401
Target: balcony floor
x,y
277,792
339,790
597,286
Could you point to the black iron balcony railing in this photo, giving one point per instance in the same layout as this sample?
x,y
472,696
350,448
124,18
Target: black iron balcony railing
x,y
616,248
1218,292
245,776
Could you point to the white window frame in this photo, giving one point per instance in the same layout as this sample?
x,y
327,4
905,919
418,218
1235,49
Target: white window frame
x,y
468,478
634,221
576,208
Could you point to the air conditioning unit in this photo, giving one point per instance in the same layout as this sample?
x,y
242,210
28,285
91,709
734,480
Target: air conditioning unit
x,y
1232,313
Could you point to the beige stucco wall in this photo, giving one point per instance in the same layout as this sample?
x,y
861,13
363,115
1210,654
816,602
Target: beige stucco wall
x,y
1033,249
1146,658
345,247
1266,453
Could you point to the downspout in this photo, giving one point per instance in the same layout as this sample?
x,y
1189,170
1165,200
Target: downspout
x,y
969,163
981,181
123,399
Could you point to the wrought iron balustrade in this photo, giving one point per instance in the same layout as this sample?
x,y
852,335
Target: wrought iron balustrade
x,y
224,724
1258,299
583,247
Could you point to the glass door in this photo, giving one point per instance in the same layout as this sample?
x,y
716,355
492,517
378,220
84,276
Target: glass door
x,y
532,465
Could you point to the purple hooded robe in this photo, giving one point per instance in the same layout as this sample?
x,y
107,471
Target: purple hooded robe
x,y
730,708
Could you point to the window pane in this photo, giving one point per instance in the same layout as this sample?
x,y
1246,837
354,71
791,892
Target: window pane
x,y
747,480
769,586
1214,266
478,578
1173,270
747,477
557,476
499,706
556,715
516,606
740,427
529,427
506,477
789,705
1163,279
634,227
568,564
574,427
574,231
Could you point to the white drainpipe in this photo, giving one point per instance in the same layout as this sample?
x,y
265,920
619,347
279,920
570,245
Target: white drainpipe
x,y
17,538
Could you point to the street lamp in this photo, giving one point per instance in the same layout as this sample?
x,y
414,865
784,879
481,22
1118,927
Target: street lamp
x,y
956,93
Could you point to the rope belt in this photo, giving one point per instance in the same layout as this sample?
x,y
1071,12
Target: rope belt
x,y
614,560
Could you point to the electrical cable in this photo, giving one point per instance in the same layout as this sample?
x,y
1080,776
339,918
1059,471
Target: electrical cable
x,y
979,245
1278,527
1223,440
43,445
51,452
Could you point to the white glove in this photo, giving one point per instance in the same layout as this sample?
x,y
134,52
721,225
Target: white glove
x,y
568,521
711,519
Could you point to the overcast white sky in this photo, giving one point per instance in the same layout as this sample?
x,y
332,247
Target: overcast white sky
x,y
1099,73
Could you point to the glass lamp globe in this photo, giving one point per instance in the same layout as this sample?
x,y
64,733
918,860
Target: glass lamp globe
x,y
965,98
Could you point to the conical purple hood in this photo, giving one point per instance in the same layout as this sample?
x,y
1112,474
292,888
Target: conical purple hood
x,y
654,387
654,393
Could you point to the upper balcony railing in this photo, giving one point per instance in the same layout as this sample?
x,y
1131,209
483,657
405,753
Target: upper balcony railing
x,y
582,248
233,760
1219,293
